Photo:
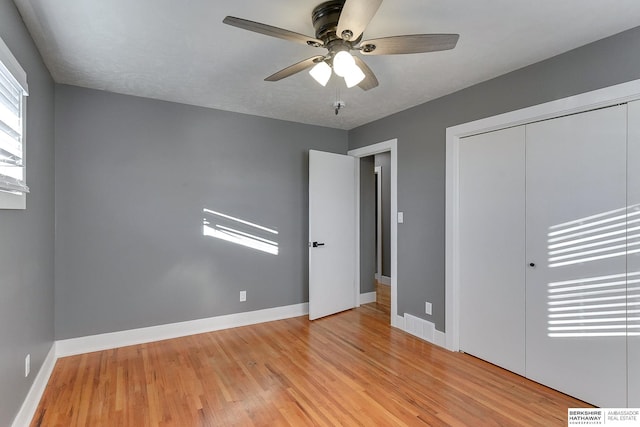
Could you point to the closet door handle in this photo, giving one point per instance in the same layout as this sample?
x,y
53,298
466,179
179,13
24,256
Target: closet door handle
x,y
532,264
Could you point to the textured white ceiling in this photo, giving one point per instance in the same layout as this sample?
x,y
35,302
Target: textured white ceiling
x,y
181,51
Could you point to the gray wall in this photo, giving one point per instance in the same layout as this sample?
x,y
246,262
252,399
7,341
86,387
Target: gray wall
x,y
132,178
26,236
421,150
384,161
367,225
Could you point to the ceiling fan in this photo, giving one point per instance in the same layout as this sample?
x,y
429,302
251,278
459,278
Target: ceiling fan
x,y
339,26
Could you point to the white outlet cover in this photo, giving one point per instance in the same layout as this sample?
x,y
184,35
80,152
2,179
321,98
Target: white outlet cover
x,y
27,365
427,308
243,296
400,217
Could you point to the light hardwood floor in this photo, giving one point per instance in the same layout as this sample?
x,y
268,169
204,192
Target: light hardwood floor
x,y
349,369
383,297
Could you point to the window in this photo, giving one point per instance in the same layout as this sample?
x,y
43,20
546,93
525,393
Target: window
x,y
13,92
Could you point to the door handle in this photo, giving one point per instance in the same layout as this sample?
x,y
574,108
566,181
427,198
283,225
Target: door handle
x,y
316,244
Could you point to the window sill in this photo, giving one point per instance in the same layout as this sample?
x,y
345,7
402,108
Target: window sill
x,y
13,201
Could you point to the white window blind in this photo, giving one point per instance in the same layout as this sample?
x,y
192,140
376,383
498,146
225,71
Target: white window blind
x,y
13,90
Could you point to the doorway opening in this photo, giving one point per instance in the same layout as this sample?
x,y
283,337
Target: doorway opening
x,y
379,211
389,148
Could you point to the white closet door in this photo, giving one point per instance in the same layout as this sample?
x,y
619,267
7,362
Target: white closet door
x,y
492,229
576,204
633,259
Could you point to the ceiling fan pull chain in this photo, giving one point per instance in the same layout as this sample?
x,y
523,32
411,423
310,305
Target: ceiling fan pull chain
x,y
338,104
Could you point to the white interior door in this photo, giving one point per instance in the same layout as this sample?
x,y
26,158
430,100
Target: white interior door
x,y
575,237
633,258
332,233
492,230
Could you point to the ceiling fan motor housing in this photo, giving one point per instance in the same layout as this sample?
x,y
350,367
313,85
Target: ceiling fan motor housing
x,y
325,19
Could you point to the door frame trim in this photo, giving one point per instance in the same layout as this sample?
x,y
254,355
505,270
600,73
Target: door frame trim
x,y
369,150
378,172
617,94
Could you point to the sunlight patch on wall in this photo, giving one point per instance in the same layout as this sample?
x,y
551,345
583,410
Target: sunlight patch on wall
x,y
603,306
595,306
605,235
239,231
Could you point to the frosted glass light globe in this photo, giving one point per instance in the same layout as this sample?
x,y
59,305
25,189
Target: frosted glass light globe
x,y
321,72
342,63
354,76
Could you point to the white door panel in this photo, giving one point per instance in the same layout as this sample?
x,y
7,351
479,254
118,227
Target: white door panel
x,y
332,214
575,293
633,259
492,230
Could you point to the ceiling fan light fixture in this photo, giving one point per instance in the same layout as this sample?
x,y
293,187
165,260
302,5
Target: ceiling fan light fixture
x,y
321,72
354,76
343,62
339,26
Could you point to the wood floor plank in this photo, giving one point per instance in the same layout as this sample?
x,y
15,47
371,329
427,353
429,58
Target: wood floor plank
x,y
383,297
349,369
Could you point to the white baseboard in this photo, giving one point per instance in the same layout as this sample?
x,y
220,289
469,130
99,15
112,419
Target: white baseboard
x,y
385,280
423,329
30,404
397,322
110,340
367,298
440,339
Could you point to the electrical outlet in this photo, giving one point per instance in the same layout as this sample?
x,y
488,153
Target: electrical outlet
x,y
427,307
243,296
27,365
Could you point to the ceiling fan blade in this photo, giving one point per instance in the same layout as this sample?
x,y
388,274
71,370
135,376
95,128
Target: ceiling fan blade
x,y
355,16
416,43
370,81
272,31
295,68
